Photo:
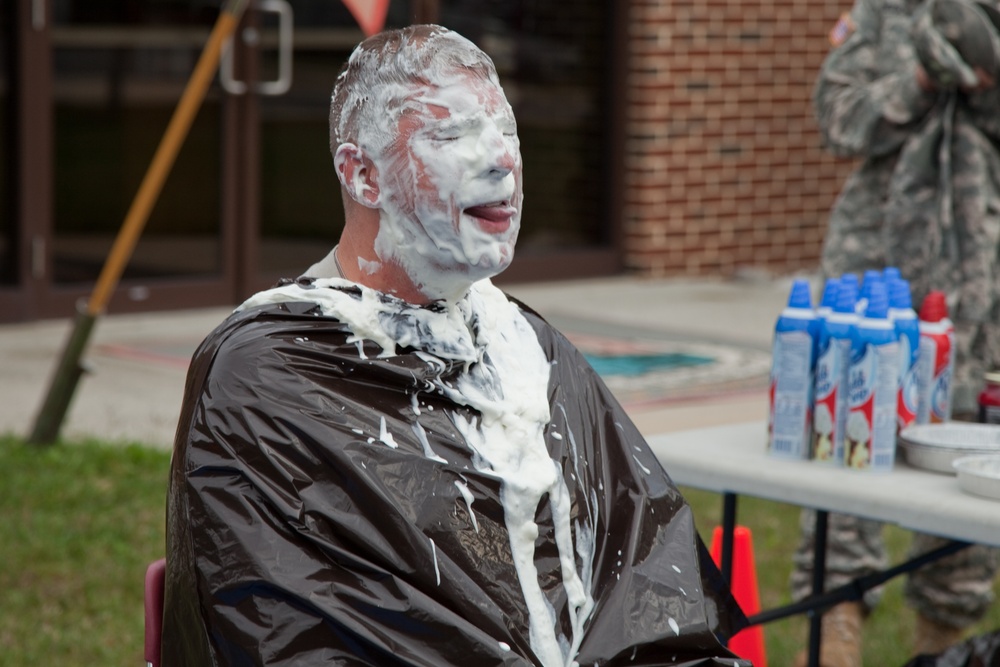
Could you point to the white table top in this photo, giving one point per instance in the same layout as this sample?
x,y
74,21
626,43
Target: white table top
x,y
733,459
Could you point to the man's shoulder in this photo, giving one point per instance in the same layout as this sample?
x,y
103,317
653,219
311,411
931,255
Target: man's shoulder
x,y
248,335
262,320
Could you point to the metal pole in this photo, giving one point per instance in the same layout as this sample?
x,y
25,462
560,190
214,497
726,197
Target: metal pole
x,y
728,528
68,372
818,584
854,589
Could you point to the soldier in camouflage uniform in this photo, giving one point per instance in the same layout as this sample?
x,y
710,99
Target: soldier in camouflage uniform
x,y
910,87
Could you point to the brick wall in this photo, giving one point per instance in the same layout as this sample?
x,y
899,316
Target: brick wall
x,y
724,167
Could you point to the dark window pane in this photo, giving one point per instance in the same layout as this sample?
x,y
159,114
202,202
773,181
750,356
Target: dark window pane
x,y
552,58
8,271
301,211
120,69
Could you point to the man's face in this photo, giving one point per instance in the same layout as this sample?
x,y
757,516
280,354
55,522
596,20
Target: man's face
x,y
451,183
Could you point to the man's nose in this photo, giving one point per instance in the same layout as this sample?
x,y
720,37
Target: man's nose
x,y
500,154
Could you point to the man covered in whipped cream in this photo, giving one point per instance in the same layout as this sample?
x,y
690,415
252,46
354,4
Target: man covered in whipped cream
x,y
389,462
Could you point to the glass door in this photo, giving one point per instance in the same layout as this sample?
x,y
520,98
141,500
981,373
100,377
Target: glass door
x,y
87,90
253,195
8,246
555,63
300,210
118,72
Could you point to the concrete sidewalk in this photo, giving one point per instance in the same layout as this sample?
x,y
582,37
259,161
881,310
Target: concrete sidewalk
x,y
137,363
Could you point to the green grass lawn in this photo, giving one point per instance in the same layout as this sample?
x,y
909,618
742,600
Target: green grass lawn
x,y
79,523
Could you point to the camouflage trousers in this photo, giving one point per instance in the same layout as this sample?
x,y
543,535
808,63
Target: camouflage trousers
x,y
955,591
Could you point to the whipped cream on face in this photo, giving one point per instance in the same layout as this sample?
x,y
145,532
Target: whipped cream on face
x,y
467,150
505,382
449,188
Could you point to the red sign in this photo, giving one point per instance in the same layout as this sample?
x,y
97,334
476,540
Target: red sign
x,y
370,14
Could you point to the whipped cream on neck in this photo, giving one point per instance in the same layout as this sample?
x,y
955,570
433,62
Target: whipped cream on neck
x,y
442,329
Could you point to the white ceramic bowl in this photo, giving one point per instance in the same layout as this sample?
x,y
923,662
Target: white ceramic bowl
x,y
936,446
979,474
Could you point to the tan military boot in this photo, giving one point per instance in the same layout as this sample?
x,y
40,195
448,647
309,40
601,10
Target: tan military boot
x,y
841,637
932,637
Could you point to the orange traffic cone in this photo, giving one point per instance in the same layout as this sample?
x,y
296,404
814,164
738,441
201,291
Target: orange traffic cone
x,y
749,642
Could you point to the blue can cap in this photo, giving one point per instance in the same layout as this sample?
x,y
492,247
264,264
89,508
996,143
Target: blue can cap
x,y
878,301
830,292
847,296
799,296
852,279
899,294
891,273
870,280
871,275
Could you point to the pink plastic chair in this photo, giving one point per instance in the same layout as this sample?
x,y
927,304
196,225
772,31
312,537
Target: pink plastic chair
x,y
153,600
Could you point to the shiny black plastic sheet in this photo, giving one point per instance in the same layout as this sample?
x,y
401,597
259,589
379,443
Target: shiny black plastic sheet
x,y
296,536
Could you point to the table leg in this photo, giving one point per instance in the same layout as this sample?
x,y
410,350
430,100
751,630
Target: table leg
x,y
854,590
818,582
728,528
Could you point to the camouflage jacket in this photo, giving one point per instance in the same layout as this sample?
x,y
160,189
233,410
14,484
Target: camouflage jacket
x,y
926,196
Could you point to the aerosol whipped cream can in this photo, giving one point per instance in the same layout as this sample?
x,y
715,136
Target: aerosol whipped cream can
x,y
792,366
936,360
870,434
836,340
904,319
989,399
868,280
827,301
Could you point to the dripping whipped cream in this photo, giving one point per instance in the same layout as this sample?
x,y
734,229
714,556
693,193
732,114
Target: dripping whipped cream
x,y
505,383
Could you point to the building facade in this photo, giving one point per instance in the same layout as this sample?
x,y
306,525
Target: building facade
x,y
670,138
724,167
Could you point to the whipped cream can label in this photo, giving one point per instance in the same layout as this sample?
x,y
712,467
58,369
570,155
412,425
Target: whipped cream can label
x,y
790,414
870,432
934,369
906,400
829,412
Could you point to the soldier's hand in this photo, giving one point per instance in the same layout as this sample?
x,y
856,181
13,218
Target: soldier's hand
x,y
983,81
940,59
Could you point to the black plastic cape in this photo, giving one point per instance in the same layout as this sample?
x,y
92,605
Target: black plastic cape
x,y
296,537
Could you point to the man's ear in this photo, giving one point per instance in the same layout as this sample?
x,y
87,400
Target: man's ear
x,y
358,175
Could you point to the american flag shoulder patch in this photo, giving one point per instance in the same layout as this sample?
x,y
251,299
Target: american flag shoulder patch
x,y
842,30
